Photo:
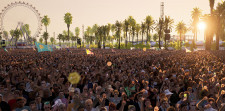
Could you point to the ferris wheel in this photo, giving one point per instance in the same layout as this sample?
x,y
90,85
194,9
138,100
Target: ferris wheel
x,y
8,19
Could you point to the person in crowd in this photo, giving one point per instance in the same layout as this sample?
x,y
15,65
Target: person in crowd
x,y
4,105
20,104
136,80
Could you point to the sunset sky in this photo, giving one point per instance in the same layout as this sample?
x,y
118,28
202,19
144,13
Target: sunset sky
x,y
89,12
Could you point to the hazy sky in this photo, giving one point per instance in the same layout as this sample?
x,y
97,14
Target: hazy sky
x,y
89,12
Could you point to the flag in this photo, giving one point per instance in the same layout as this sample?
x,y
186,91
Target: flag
x,y
57,47
5,49
42,47
89,52
187,50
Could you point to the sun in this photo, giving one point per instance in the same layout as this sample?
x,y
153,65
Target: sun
x,y
201,25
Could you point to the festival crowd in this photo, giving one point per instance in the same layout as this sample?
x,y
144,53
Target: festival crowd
x,y
137,80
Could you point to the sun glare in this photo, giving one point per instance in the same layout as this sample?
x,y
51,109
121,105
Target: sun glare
x,y
201,25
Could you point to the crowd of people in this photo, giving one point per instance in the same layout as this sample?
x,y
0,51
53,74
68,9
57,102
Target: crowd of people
x,y
137,80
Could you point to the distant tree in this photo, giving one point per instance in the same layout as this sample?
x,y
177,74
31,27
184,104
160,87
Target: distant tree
x,y
17,34
155,37
52,39
60,37
41,40
46,22
138,28
149,22
45,36
118,30
143,28
181,30
68,20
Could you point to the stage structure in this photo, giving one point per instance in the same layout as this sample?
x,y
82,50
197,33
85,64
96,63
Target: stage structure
x,y
20,24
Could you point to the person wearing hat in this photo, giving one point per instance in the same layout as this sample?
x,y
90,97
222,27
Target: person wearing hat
x,y
47,106
4,105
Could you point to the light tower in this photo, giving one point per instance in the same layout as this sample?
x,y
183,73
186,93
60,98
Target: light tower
x,y
162,10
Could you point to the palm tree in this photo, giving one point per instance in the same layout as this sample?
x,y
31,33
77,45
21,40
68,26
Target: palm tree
x,y
138,28
5,36
95,31
88,35
77,33
27,32
60,36
168,25
130,21
155,37
211,4
17,34
68,20
195,14
219,16
99,36
108,28
118,30
104,30
159,28
181,29
133,28
126,26
143,28
209,32
113,28
52,39
41,40
45,36
149,25
73,38
11,32
63,38
46,22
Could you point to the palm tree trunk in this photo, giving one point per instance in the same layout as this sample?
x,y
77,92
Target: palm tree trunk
x,y
147,36
46,28
133,38
196,35
180,41
165,43
126,39
142,37
159,40
137,37
68,26
104,42
119,42
129,37
217,41
16,43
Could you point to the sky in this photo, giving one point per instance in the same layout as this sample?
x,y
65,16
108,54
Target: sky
x,y
101,12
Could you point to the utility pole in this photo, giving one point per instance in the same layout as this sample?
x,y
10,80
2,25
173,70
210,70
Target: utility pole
x,y
162,10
